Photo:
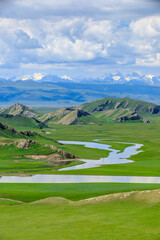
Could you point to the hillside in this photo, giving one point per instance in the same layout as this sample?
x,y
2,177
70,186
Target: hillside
x,y
126,104
6,132
65,116
103,110
21,122
19,110
20,116
57,115
30,151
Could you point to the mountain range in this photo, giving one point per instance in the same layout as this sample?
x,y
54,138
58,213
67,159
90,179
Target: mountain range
x,y
111,78
68,93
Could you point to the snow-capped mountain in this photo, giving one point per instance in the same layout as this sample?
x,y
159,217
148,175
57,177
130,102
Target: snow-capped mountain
x,y
133,78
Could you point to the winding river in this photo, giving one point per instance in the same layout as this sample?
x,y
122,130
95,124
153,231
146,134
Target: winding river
x,y
114,157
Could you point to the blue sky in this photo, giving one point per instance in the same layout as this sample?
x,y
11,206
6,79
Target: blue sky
x,y
83,38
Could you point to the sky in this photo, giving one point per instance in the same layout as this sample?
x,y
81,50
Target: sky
x,y
79,37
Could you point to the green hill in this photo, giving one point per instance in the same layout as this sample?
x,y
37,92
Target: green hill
x,y
104,110
124,104
20,122
19,110
6,132
20,116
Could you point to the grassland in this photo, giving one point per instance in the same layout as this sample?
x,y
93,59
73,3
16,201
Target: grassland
x,y
127,218
146,163
120,218
29,192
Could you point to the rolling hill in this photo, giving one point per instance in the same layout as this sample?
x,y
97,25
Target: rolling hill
x,y
100,111
18,115
125,104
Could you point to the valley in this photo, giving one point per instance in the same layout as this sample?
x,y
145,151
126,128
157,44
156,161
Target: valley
x,y
29,150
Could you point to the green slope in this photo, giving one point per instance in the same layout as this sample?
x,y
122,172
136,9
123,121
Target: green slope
x,y
140,107
20,117
102,110
21,123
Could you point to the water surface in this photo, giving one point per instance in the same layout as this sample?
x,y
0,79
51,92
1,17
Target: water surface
x,y
41,178
114,157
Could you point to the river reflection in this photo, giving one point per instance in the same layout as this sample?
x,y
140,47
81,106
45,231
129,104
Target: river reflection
x,y
41,178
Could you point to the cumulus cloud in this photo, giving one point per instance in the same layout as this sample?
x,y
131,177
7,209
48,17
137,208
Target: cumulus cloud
x,y
94,32
146,27
146,39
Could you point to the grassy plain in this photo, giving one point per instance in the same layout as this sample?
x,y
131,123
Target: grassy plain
x,y
29,192
127,219
118,135
146,163
117,219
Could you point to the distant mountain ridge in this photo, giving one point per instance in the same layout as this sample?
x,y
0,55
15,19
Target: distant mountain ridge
x,y
68,93
111,78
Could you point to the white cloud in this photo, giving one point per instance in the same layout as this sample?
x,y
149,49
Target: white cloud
x,y
146,27
150,61
100,31
145,40
63,48
46,33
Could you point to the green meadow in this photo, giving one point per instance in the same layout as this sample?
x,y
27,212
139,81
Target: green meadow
x,y
118,135
53,211
128,218
29,192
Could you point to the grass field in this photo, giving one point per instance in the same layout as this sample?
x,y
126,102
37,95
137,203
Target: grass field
x,y
29,192
130,218
118,218
146,163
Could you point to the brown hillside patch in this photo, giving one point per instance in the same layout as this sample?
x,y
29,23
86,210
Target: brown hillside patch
x,y
150,196
52,200
53,156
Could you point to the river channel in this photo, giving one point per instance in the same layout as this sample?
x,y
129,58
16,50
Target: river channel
x,y
114,157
